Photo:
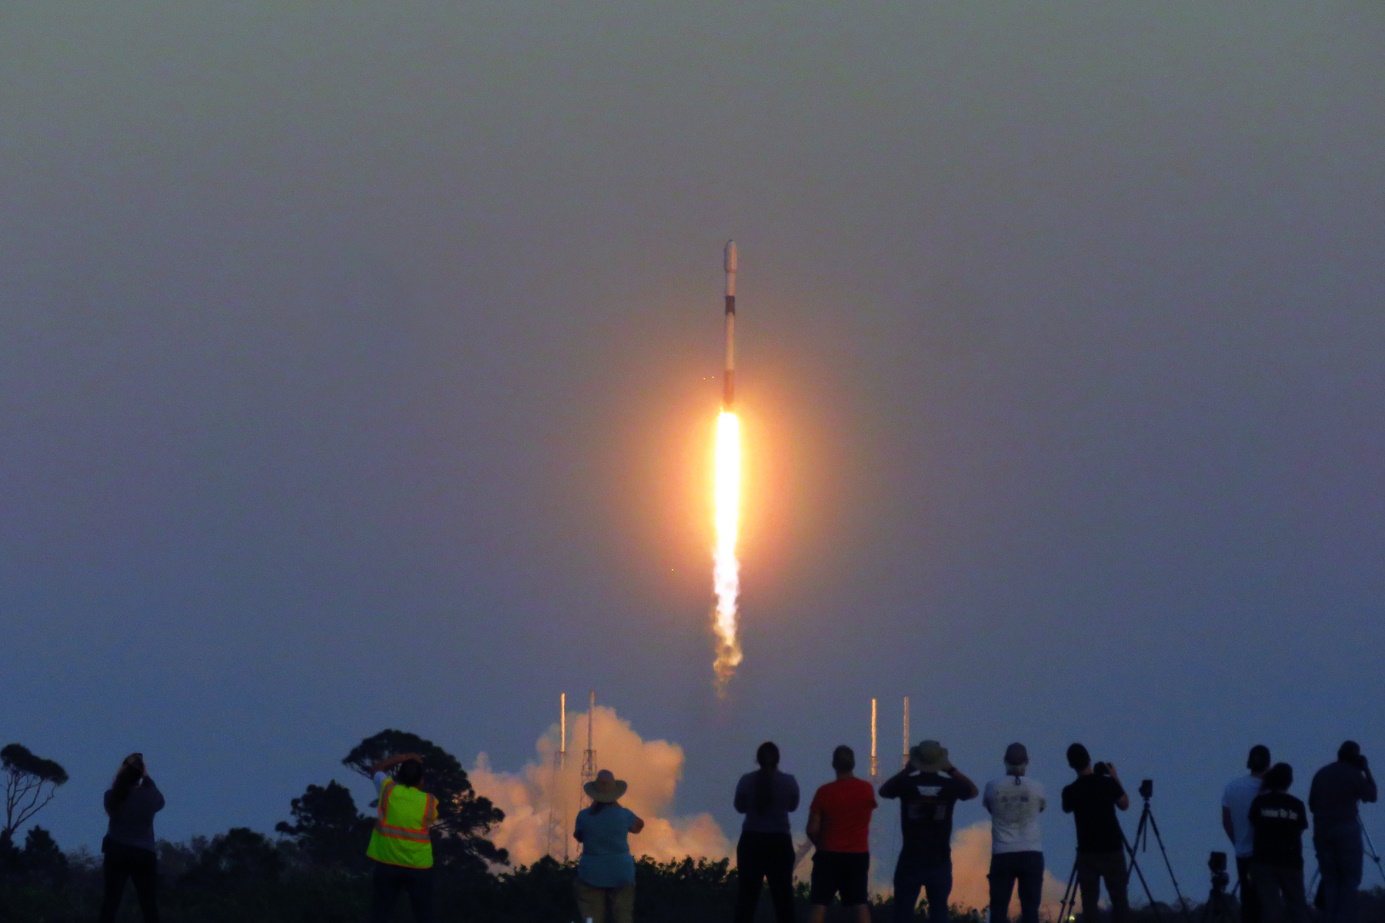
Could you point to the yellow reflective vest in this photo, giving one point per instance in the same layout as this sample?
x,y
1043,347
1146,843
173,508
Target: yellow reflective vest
x,y
400,836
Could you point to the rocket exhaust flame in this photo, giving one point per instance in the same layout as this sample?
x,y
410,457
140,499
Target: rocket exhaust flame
x,y
726,570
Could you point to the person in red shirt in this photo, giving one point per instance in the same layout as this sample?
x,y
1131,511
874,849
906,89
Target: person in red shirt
x,y
839,826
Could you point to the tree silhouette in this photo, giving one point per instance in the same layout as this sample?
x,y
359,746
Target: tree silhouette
x,y
11,859
328,829
41,859
239,858
464,818
30,783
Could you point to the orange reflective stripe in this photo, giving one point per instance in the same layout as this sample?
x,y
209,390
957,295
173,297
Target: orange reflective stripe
x,y
400,833
417,834
382,806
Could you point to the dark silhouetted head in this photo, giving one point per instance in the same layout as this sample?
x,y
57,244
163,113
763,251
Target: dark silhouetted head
x,y
129,774
767,755
410,773
1078,757
1016,760
1279,777
1259,759
1349,751
843,759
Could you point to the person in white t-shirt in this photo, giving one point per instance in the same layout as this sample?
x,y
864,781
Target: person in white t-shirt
x,y
1235,820
1017,852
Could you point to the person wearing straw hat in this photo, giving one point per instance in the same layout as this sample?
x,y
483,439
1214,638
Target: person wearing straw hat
x,y
927,788
606,870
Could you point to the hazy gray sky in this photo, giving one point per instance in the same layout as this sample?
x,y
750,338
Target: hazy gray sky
x,y
358,369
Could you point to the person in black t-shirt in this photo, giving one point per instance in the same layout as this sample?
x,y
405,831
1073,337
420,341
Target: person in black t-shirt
x,y
1276,869
1092,800
927,790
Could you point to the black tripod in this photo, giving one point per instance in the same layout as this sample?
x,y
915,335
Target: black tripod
x,y
1217,909
1069,902
1141,840
1370,850
1070,894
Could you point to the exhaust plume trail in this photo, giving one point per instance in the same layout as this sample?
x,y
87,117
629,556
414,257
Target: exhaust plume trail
x,y
726,569
654,768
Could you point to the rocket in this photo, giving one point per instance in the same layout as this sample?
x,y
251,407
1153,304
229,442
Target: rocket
x,y
729,380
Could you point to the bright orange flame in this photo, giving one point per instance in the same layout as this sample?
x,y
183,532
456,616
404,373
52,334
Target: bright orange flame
x,y
726,569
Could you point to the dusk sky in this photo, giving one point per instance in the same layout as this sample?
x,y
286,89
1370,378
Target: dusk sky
x,y
359,366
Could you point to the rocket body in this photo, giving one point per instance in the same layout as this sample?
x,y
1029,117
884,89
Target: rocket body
x,y
728,393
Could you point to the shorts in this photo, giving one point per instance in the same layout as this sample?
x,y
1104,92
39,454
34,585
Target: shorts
x,y
844,872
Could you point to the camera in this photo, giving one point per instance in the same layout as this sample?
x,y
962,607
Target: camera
x,y
1216,864
1147,789
1101,769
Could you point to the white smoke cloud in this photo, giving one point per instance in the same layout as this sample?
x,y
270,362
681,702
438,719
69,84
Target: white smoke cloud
x,y
971,860
541,796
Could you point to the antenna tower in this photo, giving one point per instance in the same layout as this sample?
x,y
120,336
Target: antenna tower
x,y
557,808
906,731
874,761
589,755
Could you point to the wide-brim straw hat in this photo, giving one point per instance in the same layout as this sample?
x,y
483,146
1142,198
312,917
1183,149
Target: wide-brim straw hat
x,y
605,787
929,756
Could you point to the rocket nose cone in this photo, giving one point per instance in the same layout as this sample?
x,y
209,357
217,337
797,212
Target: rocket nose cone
x,y
730,256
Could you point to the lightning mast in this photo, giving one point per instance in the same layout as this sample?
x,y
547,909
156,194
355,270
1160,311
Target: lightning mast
x,y
589,754
874,761
557,808
906,731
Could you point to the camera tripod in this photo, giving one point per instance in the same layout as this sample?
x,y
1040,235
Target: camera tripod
x,y
1141,840
1217,909
1370,848
1070,893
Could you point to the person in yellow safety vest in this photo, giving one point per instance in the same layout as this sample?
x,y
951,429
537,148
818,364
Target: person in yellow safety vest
x,y
400,843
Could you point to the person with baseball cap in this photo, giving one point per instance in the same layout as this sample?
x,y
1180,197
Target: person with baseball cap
x,y
1017,854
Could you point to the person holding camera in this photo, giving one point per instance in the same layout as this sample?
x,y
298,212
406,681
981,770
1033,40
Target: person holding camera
x,y
927,789
1092,799
128,848
1278,820
1336,789
606,870
400,844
